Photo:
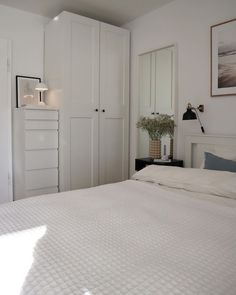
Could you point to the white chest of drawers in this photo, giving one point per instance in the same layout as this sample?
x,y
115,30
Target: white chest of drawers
x,y
35,152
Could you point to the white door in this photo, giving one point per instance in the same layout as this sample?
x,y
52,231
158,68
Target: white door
x,y
81,104
114,104
5,124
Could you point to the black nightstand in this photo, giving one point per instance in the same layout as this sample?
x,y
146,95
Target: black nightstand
x,y
143,162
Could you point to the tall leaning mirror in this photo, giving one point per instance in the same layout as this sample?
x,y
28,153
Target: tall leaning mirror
x,y
156,95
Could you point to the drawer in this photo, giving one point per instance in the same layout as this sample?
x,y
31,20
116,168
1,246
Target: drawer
x,y
39,192
41,125
41,139
39,179
41,115
41,159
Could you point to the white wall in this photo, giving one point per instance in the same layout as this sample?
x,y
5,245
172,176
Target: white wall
x,y
185,23
26,31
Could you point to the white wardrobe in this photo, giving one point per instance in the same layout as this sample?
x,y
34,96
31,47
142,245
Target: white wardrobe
x,y
87,71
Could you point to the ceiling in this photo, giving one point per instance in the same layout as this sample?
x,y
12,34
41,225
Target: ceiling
x,y
117,12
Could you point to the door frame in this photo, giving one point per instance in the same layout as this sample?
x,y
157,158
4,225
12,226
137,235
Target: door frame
x,y
9,123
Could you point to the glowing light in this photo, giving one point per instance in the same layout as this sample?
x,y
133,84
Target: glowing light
x,y
16,258
56,18
86,292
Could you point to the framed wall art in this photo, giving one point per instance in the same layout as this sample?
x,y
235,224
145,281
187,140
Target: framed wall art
x,y
223,58
25,91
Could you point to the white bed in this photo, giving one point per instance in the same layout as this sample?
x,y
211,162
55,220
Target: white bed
x,y
133,237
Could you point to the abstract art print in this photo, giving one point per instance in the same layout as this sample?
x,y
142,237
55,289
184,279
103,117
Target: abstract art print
x,y
223,58
25,91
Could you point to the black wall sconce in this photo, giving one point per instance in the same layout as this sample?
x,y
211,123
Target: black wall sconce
x,y
192,114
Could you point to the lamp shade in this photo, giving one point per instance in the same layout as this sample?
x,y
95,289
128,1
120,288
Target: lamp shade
x,y
189,115
41,87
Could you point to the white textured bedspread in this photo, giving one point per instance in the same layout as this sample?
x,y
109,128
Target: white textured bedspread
x,y
127,238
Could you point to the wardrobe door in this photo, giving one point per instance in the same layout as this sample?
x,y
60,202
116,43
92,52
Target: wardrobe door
x,y
114,104
80,137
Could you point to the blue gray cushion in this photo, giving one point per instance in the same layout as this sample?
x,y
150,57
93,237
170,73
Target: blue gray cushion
x,y
213,162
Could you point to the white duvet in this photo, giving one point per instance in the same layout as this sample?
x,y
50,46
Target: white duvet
x,y
219,183
126,238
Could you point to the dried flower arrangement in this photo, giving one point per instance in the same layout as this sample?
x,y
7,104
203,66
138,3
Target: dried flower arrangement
x,y
157,127
161,125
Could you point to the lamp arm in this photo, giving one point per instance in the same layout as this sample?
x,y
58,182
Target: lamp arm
x,y
202,128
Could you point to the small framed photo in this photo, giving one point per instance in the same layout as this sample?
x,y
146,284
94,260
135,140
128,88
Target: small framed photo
x,y
223,58
25,91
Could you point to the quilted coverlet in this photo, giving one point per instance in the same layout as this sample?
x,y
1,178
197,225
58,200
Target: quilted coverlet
x,y
126,238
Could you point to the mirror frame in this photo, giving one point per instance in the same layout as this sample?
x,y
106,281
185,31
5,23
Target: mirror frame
x,y
175,91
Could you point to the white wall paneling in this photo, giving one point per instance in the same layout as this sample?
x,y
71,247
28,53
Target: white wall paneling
x,y
89,74
5,122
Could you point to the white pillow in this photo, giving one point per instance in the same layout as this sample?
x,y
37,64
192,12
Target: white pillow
x,y
219,183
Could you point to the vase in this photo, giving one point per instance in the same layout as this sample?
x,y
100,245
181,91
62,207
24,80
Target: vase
x,y
155,149
171,149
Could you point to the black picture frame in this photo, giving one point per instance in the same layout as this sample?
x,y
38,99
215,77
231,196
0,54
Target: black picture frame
x,y
223,58
25,91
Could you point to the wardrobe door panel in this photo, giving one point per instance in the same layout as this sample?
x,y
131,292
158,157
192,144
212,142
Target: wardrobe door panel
x,y
79,133
82,154
113,162
114,103
84,66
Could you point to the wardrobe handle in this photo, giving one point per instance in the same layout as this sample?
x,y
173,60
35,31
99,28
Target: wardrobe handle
x,y
152,113
103,111
157,113
96,110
